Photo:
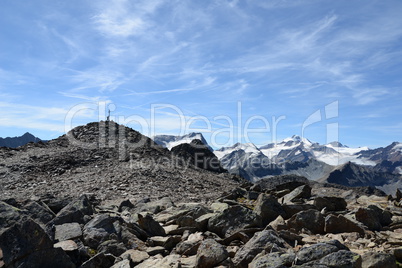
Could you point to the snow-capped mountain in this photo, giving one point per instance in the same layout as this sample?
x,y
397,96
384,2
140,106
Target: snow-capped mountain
x,y
170,141
300,156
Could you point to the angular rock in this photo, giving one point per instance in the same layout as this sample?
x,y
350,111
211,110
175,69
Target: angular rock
x,y
40,213
272,260
340,224
9,215
152,251
373,217
331,203
210,254
136,256
113,247
100,260
26,244
268,208
74,212
67,245
318,251
98,230
292,209
378,260
67,231
149,225
343,259
303,191
311,220
266,240
232,220
122,264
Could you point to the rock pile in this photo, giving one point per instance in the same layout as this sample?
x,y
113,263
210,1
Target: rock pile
x,y
288,225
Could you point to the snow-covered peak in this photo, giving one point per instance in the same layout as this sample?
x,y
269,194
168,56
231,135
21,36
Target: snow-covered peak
x,y
248,148
398,147
170,141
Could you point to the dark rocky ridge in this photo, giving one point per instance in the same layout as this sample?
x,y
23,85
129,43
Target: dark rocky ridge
x,y
198,154
14,142
109,160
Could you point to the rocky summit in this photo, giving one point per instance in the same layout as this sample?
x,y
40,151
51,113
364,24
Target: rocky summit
x,y
103,195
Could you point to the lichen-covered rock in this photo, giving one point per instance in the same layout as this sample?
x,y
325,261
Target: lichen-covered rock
x,y
318,251
343,259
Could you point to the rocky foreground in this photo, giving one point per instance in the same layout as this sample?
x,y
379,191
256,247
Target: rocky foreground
x,y
288,224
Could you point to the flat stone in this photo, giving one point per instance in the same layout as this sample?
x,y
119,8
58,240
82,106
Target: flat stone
x,y
136,256
66,245
67,231
152,251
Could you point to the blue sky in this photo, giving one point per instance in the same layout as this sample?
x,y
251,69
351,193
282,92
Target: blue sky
x,y
206,62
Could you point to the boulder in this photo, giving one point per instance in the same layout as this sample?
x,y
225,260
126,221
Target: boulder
x,y
9,215
122,264
149,225
340,224
331,203
373,217
232,220
98,230
266,240
311,220
26,244
113,247
378,260
343,259
210,254
301,192
75,211
273,260
40,213
318,251
292,209
268,208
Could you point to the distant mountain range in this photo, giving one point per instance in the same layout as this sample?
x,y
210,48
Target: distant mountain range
x,y
332,162
15,142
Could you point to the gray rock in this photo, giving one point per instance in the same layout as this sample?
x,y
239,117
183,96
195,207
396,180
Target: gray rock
x,y
154,207
268,208
136,256
303,191
113,247
339,224
311,220
233,219
98,230
122,264
40,213
272,260
210,253
373,217
26,244
9,215
331,203
343,259
67,231
100,260
74,211
378,260
266,240
318,251
292,209
149,225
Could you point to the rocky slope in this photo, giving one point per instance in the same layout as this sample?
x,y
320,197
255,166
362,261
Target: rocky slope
x,y
284,222
107,159
14,142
